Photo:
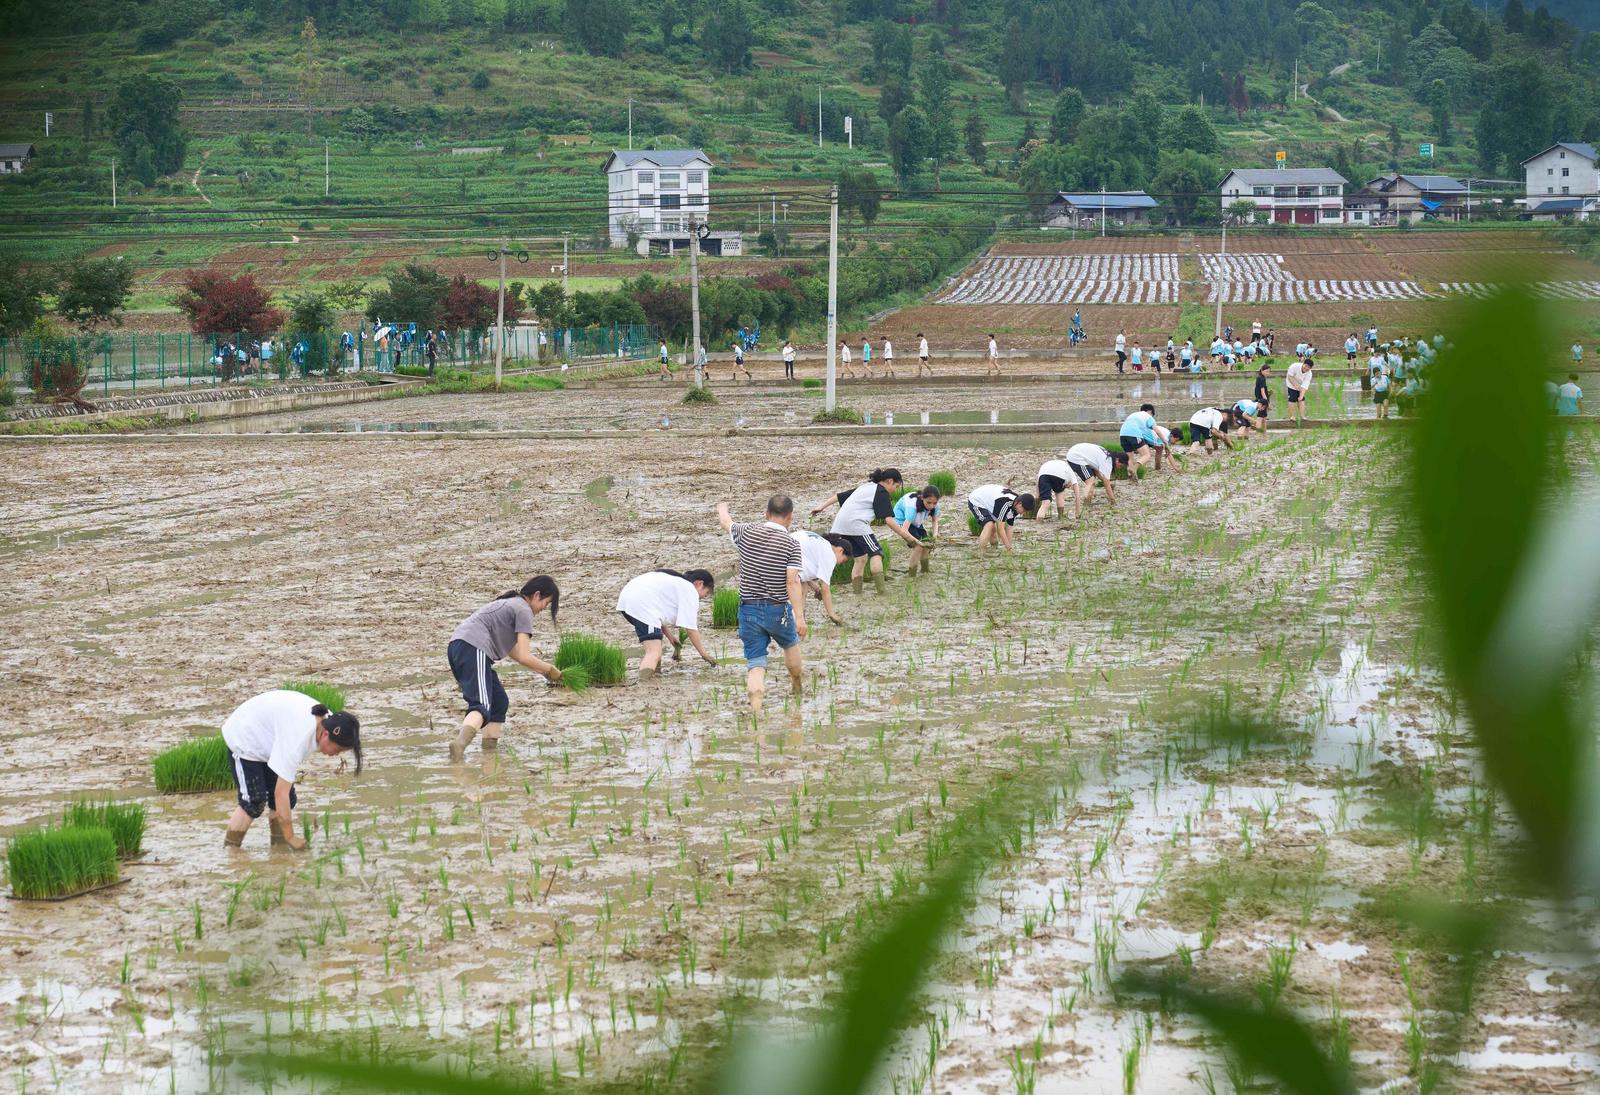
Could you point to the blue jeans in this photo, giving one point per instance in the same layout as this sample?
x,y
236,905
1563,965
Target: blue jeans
x,y
762,624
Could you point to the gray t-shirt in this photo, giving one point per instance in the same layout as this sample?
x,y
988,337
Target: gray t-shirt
x,y
494,628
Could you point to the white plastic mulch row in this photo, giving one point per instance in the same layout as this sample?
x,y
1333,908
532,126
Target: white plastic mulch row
x,y
1077,291
1548,290
1261,279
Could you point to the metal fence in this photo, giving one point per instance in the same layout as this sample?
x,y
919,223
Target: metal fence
x,y
132,363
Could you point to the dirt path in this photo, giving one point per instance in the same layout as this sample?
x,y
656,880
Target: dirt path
x,y
195,181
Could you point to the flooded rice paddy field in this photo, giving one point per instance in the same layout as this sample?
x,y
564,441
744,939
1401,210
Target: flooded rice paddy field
x,y
641,869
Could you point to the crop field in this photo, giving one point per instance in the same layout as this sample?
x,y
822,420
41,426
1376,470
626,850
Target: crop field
x,y
1090,279
640,870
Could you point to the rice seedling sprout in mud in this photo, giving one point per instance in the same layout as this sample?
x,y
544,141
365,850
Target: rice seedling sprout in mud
x,y
330,696
125,821
199,764
57,862
704,397
725,607
606,663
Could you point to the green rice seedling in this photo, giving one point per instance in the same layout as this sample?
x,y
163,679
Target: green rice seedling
x,y
199,764
841,573
703,396
607,664
974,525
577,678
61,862
125,822
945,481
725,608
324,693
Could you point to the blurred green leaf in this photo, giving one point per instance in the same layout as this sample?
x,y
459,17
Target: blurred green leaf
x,y
1483,455
1273,1043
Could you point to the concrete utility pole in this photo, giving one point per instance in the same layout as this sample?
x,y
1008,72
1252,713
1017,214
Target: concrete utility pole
x,y
1222,278
113,184
326,176
630,125
831,396
819,115
500,319
1102,212
563,264
694,301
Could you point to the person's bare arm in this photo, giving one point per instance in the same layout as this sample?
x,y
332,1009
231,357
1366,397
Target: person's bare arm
x,y
1105,481
900,530
724,518
797,601
699,645
1002,532
825,594
830,502
523,655
285,814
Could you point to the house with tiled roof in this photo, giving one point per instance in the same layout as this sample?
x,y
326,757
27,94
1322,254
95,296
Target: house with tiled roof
x,y
1564,171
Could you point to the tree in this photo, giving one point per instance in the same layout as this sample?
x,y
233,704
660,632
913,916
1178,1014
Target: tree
x,y
600,26
1190,129
933,94
910,143
94,291
1182,178
143,116
1239,95
1242,211
665,305
415,294
1439,105
550,304
859,190
472,306
21,298
726,35
1067,115
894,98
668,15
310,76
1515,16
215,303
976,131
311,320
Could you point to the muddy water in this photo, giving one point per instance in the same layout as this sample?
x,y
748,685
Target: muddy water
x,y
638,861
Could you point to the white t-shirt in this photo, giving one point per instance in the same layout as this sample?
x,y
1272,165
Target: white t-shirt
x,y
1298,378
860,507
1209,417
816,556
922,347
656,598
1089,455
993,499
276,727
788,352
888,350
1122,342
1058,469
844,354
994,351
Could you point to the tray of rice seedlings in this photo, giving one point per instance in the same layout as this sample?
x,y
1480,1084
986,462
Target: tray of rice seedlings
x,y
123,820
841,572
945,481
324,693
55,864
725,607
199,764
596,661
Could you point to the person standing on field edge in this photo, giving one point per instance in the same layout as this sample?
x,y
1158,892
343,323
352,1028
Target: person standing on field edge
x,y
844,359
922,355
994,356
888,356
788,359
1122,349
664,373
1299,380
772,607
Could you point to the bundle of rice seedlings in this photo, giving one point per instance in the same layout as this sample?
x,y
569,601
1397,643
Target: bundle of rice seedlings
x,y
199,764
324,693
945,481
700,395
605,663
725,608
841,572
123,820
974,525
60,862
577,678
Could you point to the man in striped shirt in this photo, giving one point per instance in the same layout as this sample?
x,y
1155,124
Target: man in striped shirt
x,y
772,604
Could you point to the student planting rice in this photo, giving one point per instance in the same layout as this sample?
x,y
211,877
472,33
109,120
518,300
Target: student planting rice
x,y
1252,413
269,737
917,511
858,508
996,509
1056,478
772,606
657,604
1086,464
1207,426
819,555
1143,440
503,628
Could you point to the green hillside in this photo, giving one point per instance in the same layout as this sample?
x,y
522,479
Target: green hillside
x,y
447,124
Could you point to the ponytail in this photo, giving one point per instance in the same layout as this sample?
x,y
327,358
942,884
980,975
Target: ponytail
x,y
878,475
344,729
544,586
704,577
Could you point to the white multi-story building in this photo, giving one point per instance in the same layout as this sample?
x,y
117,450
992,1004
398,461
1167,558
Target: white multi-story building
x,y
1306,196
1563,180
656,196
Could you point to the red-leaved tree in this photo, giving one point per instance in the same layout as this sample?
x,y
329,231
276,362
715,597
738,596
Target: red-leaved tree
x,y
469,306
218,304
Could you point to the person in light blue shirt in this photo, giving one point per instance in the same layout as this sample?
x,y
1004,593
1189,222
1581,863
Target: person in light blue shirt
x,y
1577,352
866,355
1142,440
918,511
1380,393
1254,413
1351,348
1569,398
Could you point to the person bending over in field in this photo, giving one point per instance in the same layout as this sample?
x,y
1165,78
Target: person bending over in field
x,y
1207,426
918,511
819,555
269,737
1056,478
858,508
1091,464
503,628
772,606
996,509
1252,414
660,602
1144,441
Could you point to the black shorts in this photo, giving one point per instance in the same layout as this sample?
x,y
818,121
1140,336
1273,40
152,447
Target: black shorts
x,y
1133,444
858,546
1380,397
480,684
1349,355
1199,433
1050,486
917,532
645,632
986,518
257,784
1294,395
1085,475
